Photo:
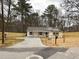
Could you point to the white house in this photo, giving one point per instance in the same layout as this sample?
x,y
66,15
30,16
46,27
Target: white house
x,y
43,32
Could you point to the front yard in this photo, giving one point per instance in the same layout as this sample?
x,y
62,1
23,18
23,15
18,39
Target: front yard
x,y
71,40
12,38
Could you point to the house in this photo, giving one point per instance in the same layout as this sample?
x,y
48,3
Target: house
x,y
43,32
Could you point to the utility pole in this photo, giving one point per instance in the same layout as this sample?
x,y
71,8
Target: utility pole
x,y
2,21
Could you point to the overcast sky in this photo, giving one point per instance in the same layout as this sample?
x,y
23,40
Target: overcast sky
x,y
41,5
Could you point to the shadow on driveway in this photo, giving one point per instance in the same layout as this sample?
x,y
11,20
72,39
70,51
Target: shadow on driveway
x,y
47,52
44,52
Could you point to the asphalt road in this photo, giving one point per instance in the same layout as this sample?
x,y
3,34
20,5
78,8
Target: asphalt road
x,y
22,53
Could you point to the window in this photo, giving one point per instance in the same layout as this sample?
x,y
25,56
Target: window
x,y
40,33
55,33
46,33
30,33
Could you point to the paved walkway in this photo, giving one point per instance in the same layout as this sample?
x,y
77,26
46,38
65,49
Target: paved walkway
x,y
29,42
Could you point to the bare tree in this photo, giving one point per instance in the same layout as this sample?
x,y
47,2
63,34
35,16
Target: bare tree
x,y
9,14
72,10
2,21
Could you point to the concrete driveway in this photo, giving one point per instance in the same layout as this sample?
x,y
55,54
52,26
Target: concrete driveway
x,y
29,42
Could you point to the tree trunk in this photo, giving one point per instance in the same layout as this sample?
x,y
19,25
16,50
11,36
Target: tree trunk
x,y
2,21
9,12
22,20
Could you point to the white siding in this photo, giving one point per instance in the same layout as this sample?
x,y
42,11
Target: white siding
x,y
50,34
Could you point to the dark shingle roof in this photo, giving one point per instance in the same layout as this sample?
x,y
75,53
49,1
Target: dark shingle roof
x,y
41,29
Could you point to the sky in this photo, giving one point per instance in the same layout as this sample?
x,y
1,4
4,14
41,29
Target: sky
x,y
41,5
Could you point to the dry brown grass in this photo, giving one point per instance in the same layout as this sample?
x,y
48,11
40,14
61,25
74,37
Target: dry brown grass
x,y
11,38
71,40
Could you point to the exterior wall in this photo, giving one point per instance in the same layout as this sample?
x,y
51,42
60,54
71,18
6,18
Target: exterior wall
x,y
33,34
60,34
43,34
36,34
50,34
28,34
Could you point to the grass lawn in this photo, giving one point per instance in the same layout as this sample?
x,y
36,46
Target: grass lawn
x,y
71,40
12,38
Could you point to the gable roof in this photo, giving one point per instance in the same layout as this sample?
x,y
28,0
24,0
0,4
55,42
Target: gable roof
x,y
42,29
